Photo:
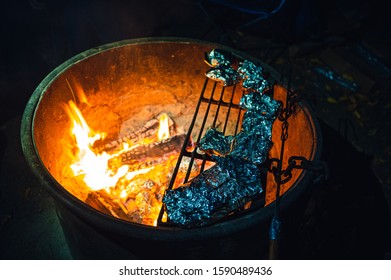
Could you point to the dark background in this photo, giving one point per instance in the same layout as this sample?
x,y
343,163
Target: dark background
x,y
346,217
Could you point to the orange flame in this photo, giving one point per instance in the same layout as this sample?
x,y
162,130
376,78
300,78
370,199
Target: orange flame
x,y
93,166
87,163
164,128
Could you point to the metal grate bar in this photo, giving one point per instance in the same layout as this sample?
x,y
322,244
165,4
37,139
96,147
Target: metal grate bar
x,y
200,133
238,120
230,105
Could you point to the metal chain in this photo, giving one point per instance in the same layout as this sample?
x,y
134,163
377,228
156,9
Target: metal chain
x,y
275,227
318,166
294,162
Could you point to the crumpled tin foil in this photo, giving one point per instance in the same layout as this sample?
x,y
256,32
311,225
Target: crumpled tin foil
x,y
216,192
263,105
254,140
219,58
248,69
215,143
252,75
254,124
223,72
252,147
227,76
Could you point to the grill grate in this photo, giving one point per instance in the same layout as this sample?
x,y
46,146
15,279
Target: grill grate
x,y
217,107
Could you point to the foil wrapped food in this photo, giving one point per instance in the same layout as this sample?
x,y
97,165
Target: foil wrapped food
x,y
219,58
226,76
214,194
251,147
222,71
215,143
253,76
254,140
262,105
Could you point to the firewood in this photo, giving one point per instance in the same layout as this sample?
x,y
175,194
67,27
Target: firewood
x,y
148,130
101,200
138,155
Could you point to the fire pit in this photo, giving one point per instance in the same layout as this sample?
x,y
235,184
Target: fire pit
x,y
113,102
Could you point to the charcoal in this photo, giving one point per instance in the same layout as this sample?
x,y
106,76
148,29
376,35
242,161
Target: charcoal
x,y
185,165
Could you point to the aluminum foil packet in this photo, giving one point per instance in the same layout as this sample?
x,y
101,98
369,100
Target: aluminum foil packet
x,y
252,147
225,187
262,105
214,142
222,71
226,76
253,76
248,69
219,58
253,124
254,140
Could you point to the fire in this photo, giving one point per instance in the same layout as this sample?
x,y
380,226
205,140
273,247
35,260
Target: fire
x,y
135,186
87,163
164,129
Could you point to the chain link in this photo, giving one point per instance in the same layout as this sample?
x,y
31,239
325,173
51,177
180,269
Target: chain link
x,y
282,176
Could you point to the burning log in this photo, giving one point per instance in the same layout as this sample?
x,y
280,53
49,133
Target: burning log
x,y
138,154
102,201
148,131
140,205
